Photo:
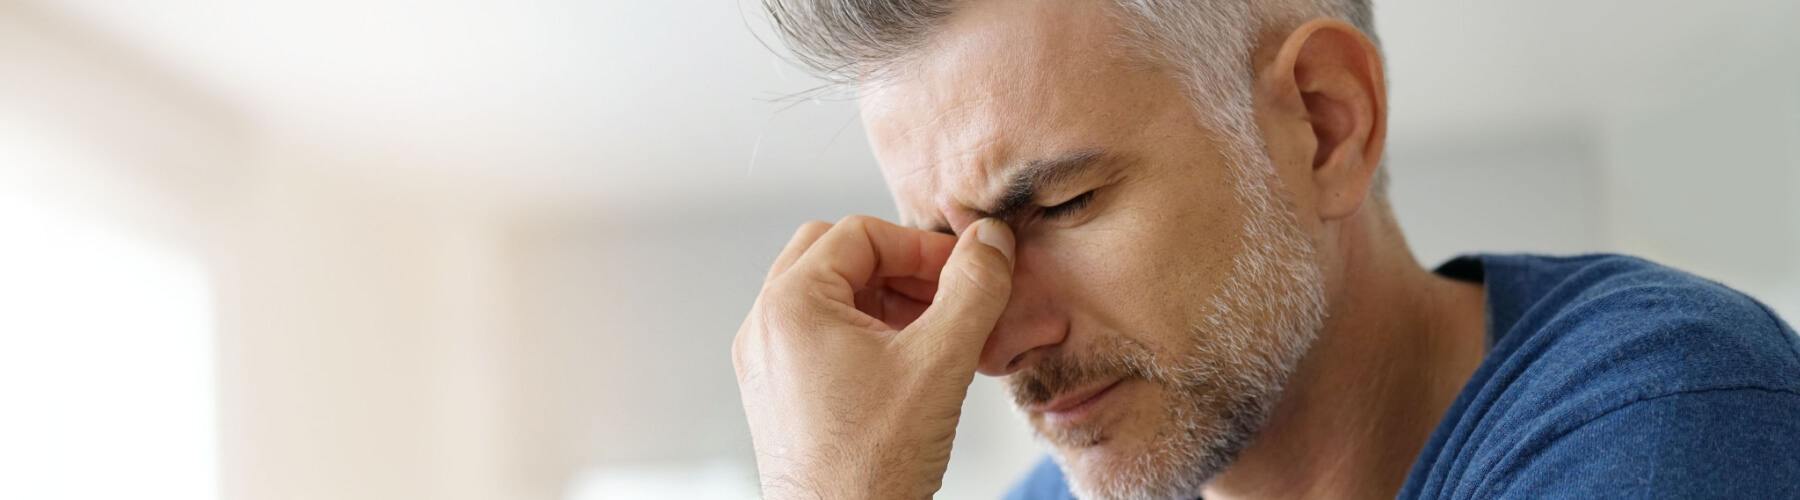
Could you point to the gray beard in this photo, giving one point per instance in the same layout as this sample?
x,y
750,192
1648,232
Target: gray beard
x,y
1220,393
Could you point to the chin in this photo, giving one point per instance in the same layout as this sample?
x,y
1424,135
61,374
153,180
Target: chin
x,y
1136,469
1151,450
1124,451
1114,463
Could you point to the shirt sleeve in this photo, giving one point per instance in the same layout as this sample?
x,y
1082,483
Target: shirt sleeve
x,y
1721,443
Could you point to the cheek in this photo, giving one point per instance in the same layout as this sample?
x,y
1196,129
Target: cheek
x,y
1148,276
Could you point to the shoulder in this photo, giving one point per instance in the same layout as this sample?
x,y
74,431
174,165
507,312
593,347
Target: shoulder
x,y
1610,322
1044,482
1611,371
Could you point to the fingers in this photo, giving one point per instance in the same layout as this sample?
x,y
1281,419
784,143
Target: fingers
x,y
858,249
972,291
803,239
895,301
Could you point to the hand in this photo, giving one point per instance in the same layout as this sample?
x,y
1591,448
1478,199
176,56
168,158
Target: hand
x,y
855,359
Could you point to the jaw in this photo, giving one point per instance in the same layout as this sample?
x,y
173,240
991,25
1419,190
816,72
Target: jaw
x,y
1133,430
1158,441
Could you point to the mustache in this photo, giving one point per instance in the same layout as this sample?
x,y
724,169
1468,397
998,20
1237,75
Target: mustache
x,y
1058,371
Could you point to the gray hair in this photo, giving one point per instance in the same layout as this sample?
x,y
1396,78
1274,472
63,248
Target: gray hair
x,y
1205,43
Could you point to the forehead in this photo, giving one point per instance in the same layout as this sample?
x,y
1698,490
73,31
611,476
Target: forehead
x,y
1003,82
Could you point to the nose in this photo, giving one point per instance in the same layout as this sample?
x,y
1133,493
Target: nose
x,y
1030,325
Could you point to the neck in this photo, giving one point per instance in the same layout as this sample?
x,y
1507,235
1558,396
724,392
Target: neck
x,y
1398,347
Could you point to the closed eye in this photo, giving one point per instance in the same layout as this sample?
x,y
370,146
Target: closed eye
x,y
1070,207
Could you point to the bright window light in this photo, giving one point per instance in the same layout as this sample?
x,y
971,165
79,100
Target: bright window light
x,y
106,361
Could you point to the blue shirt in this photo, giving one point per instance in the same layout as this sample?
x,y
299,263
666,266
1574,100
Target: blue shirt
x,y
1606,377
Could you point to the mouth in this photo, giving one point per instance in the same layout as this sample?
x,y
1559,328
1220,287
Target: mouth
x,y
1073,407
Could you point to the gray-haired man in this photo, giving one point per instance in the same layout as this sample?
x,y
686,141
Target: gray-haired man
x,y
1163,222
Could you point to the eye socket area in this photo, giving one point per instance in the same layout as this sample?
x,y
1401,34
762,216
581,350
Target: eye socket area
x,y
1068,208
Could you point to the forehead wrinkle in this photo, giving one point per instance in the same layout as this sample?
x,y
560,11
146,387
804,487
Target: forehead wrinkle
x,y
972,166
962,109
914,180
954,152
971,101
938,181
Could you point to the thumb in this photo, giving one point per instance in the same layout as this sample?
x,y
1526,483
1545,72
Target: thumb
x,y
972,290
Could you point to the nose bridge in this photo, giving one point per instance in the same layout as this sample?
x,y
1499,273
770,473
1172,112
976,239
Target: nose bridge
x,y
1031,320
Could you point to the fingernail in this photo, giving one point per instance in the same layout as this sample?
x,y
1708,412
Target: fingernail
x,y
995,234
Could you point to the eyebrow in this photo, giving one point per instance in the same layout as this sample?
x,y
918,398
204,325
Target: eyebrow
x,y
1035,177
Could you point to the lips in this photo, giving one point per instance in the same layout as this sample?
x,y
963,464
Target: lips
x,y
1075,403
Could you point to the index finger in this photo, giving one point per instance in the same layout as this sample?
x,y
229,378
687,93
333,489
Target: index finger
x,y
858,249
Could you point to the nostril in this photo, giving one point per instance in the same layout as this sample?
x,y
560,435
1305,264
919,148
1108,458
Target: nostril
x,y
1012,366
1030,328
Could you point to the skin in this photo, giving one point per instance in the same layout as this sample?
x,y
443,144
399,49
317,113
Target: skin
x,y
857,355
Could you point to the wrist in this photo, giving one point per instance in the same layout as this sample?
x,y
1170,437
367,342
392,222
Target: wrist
x,y
877,471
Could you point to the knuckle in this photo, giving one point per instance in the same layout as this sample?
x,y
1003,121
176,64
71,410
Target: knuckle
x,y
747,346
857,222
738,356
776,292
813,227
787,305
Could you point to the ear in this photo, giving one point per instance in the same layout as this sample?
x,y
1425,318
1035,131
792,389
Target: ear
x,y
1328,76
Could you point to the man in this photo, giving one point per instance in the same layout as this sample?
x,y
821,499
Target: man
x,y
1163,223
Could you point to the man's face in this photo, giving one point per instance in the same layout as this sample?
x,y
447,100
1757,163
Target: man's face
x,y
1160,296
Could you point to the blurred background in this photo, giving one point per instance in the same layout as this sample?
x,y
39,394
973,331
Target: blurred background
x,y
459,249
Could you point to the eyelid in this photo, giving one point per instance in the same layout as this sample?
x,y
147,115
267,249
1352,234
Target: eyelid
x,y
1071,206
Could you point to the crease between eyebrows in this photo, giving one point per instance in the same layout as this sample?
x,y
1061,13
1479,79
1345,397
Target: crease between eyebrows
x,y
1028,181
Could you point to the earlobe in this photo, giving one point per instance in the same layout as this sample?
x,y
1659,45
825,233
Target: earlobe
x,y
1333,79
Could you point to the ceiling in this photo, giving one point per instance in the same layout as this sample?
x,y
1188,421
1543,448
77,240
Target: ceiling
x,y
634,101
